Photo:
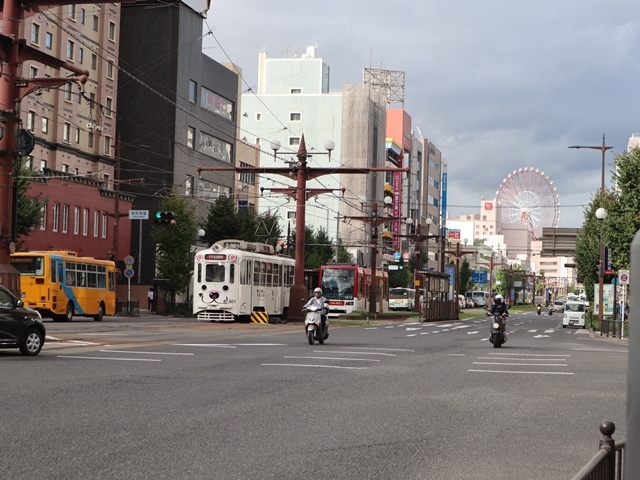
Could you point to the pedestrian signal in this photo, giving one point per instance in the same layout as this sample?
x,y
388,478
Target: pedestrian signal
x,y
166,218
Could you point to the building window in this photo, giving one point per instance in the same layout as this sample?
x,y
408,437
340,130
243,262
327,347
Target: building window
x,y
108,106
66,132
95,23
56,215
67,92
33,71
31,120
71,48
35,33
90,140
216,104
48,40
110,69
83,14
188,185
193,91
112,31
107,181
45,125
77,136
294,141
107,146
295,116
76,220
43,165
65,168
191,137
65,218
43,217
94,61
72,12
85,221
96,222
81,55
296,91
214,147
104,225
258,117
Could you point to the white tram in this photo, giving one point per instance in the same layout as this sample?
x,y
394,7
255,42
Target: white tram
x,y
234,278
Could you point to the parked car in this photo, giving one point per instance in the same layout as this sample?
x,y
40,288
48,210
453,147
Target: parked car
x,y
20,327
461,302
471,303
481,302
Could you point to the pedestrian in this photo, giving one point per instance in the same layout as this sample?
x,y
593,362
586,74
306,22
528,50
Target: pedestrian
x,y
150,299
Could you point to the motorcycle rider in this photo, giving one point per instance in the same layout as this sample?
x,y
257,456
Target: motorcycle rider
x,y
539,308
499,307
321,302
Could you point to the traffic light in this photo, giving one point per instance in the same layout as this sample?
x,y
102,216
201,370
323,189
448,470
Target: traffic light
x,y
166,218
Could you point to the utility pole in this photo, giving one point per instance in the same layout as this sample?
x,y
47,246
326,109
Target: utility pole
x,y
458,253
374,221
301,171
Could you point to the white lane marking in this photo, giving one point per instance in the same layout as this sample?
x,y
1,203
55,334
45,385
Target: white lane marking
x,y
218,345
523,364
146,353
424,333
383,349
457,354
445,330
413,323
311,366
411,329
514,371
371,328
111,358
390,326
429,324
447,325
471,333
53,339
106,334
80,342
531,354
527,359
552,330
532,331
357,353
599,350
412,335
541,336
261,344
336,358
461,326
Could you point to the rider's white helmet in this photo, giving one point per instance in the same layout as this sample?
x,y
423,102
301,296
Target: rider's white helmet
x,y
498,299
318,290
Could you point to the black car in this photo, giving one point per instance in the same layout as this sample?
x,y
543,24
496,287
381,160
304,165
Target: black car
x,y
20,327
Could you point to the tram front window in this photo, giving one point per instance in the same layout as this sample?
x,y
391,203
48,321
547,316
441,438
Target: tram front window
x,y
214,273
337,284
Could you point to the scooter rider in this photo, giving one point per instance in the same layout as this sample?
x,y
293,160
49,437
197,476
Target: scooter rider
x,y
321,302
499,307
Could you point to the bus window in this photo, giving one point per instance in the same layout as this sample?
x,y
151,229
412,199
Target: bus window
x,y
71,278
60,275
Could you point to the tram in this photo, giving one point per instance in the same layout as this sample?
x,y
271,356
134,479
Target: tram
x,y
234,278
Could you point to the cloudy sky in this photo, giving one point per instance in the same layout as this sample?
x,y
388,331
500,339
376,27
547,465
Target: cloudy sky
x,y
496,84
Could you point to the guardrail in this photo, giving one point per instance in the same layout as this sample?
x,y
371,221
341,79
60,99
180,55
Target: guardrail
x,y
608,463
614,328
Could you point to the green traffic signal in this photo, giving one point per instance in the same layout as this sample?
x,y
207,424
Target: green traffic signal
x,y
166,218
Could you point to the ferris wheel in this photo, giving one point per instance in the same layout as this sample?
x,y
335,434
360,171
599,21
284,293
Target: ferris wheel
x,y
528,196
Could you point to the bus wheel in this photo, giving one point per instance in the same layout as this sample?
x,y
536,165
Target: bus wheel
x,y
68,315
98,317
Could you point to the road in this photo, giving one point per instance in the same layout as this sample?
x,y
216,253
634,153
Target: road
x,y
157,398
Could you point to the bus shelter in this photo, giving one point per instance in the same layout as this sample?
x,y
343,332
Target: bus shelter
x,y
435,292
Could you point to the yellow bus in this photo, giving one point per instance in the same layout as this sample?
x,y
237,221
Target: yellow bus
x,y
59,284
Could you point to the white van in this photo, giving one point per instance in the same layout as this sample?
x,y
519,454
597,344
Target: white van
x,y
574,314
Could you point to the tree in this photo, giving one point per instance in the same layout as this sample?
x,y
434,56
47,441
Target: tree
x,y
400,277
29,209
222,221
343,255
174,258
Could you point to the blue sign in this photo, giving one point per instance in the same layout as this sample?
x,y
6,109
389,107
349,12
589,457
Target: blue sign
x,y
452,274
443,196
396,256
479,277
128,272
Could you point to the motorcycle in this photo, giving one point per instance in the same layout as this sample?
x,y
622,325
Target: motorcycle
x,y
538,310
313,324
550,310
498,330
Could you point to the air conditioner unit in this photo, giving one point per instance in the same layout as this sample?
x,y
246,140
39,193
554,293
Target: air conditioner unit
x,y
98,128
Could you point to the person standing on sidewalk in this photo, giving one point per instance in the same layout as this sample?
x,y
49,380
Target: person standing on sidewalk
x,y
150,299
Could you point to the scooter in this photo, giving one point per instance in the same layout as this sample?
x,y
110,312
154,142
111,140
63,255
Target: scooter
x,y
498,335
550,310
313,324
538,310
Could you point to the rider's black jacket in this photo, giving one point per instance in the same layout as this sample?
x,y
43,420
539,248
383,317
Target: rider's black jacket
x,y
499,309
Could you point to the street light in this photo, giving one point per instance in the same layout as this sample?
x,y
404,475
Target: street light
x,y
601,213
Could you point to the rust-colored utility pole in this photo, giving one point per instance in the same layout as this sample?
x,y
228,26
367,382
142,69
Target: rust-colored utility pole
x,y
13,88
374,221
302,172
458,253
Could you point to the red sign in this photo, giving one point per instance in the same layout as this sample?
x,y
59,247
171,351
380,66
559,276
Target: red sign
x,y
488,205
455,234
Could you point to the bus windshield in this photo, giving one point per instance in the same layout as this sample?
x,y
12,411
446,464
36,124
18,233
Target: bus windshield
x,y
28,265
338,283
400,293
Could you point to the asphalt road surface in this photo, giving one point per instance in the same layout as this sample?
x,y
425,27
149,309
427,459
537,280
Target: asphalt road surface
x,y
158,398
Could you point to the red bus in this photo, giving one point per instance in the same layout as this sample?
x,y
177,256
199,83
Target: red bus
x,y
346,287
